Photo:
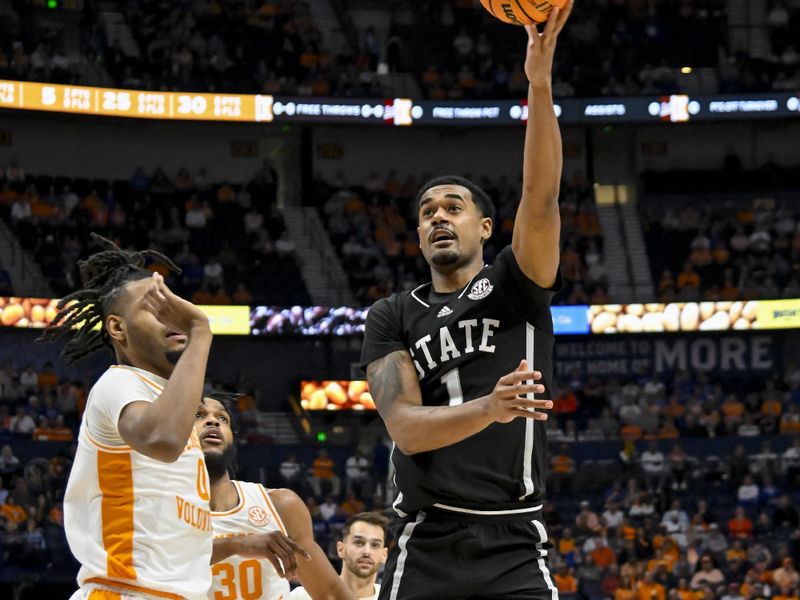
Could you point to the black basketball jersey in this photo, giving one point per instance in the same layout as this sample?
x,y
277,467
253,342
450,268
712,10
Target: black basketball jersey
x,y
461,344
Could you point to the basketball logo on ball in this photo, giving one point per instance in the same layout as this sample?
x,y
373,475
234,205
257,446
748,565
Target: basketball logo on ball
x,y
258,516
522,12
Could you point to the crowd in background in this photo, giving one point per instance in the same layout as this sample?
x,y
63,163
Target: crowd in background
x,y
229,240
373,226
622,48
456,49
649,406
653,521
748,249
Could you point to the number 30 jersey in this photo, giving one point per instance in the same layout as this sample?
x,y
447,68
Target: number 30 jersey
x,y
461,343
239,578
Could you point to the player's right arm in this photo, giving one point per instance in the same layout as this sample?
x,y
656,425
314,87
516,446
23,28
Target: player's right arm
x,y
160,429
416,428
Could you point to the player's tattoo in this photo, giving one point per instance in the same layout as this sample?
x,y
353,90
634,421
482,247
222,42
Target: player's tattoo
x,y
385,380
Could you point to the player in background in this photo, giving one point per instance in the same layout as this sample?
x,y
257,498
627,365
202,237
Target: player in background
x,y
241,508
136,507
453,366
363,551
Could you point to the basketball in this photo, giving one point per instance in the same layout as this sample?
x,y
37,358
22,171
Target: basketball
x,y
522,12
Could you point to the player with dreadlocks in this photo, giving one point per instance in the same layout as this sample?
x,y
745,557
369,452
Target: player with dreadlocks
x,y
136,509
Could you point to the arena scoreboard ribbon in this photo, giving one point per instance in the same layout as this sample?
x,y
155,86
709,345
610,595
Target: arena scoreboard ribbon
x,y
265,108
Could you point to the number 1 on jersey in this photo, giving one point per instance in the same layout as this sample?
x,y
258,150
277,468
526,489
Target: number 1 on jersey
x,y
452,381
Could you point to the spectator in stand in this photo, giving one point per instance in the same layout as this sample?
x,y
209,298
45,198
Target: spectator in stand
x,y
654,466
9,463
565,580
565,405
785,514
328,509
612,517
22,423
290,470
786,576
602,554
323,473
587,523
562,469
357,471
738,466
650,589
13,512
748,493
352,505
740,526
47,378
29,380
708,575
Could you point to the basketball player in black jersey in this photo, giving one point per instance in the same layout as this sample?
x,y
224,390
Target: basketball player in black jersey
x,y
454,367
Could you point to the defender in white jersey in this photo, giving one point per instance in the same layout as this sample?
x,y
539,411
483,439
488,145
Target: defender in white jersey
x,y
363,551
136,510
240,509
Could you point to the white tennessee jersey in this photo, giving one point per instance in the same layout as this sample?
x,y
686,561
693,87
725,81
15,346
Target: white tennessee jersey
x,y
300,593
138,526
239,578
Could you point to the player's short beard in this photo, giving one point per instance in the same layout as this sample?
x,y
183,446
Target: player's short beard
x,y
445,258
219,464
352,566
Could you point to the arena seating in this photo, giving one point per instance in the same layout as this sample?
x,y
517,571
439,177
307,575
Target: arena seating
x,y
726,244
660,504
373,226
456,49
227,238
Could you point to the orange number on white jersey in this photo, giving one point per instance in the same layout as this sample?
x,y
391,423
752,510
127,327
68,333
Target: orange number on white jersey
x,y
202,480
250,581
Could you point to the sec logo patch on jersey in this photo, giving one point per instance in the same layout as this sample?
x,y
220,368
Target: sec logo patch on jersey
x,y
258,516
481,289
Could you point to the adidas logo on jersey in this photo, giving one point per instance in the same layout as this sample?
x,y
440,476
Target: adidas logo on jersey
x,y
445,311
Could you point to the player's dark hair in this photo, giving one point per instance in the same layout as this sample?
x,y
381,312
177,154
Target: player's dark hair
x,y
372,518
479,196
104,276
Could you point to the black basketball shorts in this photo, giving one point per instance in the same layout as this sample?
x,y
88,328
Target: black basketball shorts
x,y
440,556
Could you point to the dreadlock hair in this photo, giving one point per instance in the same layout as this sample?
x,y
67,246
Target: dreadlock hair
x,y
104,276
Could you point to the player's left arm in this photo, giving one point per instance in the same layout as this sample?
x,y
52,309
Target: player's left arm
x,y
537,227
316,575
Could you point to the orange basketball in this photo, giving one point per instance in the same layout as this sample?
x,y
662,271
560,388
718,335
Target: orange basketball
x,y
522,12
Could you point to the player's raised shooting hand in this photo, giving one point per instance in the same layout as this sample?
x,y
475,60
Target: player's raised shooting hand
x,y
542,46
173,311
280,550
507,401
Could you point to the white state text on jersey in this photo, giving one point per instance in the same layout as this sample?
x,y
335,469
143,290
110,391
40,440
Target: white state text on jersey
x,y
449,349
